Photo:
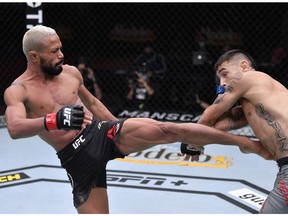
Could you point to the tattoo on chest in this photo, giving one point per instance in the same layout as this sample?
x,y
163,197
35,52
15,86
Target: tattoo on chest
x,y
282,140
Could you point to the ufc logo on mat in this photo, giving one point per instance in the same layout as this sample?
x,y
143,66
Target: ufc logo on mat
x,y
67,116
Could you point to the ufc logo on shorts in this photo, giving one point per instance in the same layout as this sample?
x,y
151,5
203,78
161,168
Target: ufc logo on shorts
x,y
67,116
78,142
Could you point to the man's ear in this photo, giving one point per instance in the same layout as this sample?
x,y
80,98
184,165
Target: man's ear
x,y
33,55
245,65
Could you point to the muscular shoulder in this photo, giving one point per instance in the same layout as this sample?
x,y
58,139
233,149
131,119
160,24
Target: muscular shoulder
x,y
72,71
257,84
252,75
16,92
257,78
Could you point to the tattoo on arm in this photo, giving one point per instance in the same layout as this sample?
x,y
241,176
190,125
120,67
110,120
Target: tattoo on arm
x,y
218,99
282,140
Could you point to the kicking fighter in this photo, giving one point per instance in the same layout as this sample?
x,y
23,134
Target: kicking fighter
x,y
50,100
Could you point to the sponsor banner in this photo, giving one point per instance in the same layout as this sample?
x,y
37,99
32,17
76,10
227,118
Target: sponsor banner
x,y
152,181
249,196
221,36
193,185
34,14
166,155
132,34
13,177
161,116
178,117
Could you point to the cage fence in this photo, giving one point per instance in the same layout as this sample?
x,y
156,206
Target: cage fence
x,y
186,37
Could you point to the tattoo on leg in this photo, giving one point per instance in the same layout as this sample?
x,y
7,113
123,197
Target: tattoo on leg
x,y
282,140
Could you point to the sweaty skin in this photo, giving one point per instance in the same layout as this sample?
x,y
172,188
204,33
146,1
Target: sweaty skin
x,y
34,94
263,101
42,89
54,95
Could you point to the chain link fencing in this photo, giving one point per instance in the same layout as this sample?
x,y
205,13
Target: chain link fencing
x,y
112,35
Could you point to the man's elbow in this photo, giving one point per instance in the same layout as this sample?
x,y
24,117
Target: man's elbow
x,y
206,121
14,134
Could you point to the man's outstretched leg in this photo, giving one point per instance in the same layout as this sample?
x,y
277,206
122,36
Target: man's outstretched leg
x,y
138,134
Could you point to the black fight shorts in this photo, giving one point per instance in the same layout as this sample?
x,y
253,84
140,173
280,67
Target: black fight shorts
x,y
86,157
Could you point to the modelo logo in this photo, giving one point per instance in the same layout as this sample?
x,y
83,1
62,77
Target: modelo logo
x,y
167,157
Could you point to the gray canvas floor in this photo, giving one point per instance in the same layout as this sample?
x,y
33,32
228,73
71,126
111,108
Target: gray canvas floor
x,y
156,181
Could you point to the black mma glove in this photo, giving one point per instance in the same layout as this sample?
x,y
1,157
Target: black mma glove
x,y
194,151
69,117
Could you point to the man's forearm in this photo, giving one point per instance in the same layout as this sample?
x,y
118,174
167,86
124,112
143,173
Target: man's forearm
x,y
23,128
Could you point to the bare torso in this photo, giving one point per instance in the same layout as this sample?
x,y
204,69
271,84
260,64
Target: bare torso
x,y
48,96
265,107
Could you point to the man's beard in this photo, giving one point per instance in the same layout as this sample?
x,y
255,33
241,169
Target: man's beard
x,y
49,69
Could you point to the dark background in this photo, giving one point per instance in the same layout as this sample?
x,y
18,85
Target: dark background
x,y
86,29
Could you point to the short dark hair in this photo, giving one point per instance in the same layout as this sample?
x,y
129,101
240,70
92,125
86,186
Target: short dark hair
x,y
230,54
